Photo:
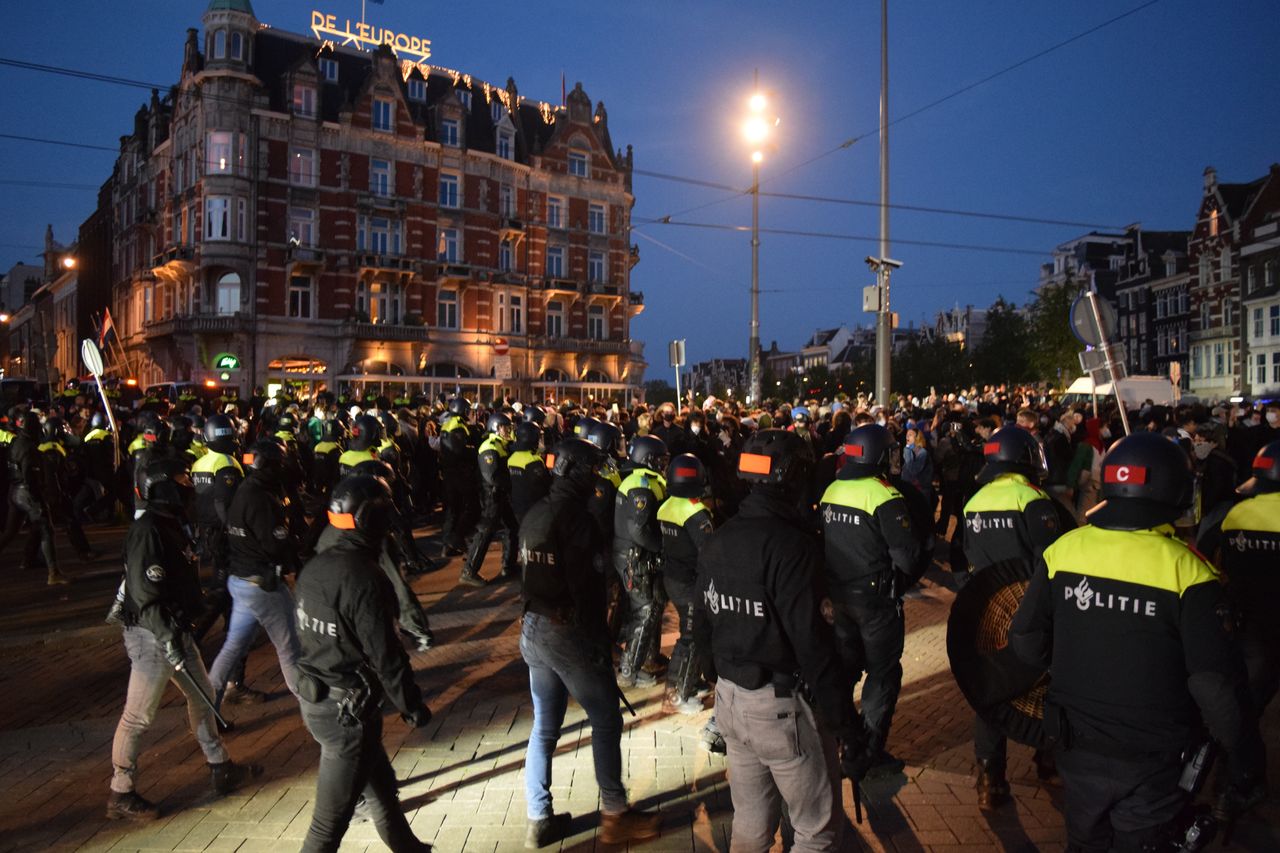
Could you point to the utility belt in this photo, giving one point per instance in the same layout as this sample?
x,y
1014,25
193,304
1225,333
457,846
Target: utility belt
x,y
268,581
1064,736
886,584
558,615
349,703
754,677
643,569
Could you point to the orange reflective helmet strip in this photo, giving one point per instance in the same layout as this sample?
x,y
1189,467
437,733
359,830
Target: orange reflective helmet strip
x,y
248,458
342,520
754,463
551,460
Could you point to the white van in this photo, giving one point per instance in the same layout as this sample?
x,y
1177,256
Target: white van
x,y
1134,390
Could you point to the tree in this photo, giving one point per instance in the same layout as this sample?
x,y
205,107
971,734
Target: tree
x,y
659,391
1003,354
1054,349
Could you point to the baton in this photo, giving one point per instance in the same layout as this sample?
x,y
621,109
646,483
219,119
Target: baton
x,y
623,697
857,800
204,697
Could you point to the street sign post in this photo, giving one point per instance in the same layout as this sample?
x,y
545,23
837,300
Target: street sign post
x,y
92,358
501,359
675,355
1093,321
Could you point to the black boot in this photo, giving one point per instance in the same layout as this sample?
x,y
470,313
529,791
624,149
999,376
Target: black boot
x,y
993,789
228,775
130,806
470,577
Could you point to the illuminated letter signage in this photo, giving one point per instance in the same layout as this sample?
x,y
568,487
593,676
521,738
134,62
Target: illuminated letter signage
x,y
367,37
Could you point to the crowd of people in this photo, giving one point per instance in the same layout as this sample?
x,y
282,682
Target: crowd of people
x,y
784,537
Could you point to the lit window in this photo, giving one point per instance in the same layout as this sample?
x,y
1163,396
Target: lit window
x,y
448,249
464,95
217,218
417,89
506,147
555,262
595,322
578,163
383,113
304,100
555,319
380,177
449,133
504,256
555,212
447,309
448,189
595,267
329,69
218,152
300,296
596,219
302,167
302,226
227,294
380,301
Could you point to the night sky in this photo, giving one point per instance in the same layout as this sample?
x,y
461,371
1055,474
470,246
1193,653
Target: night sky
x,y
1114,128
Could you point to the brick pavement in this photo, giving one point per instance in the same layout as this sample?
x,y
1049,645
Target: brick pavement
x,y
63,674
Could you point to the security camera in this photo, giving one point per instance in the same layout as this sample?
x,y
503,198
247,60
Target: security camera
x,y
891,263
875,263
872,262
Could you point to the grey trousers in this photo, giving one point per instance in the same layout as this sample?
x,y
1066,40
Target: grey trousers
x,y
777,754
149,673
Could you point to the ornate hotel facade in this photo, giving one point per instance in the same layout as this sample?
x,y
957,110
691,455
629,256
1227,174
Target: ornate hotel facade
x,y
298,211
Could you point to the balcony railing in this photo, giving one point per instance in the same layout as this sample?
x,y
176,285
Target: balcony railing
x,y
392,263
1214,332
387,332
198,324
305,255
636,297
173,253
567,344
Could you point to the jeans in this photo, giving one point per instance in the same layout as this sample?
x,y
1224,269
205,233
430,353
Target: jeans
x,y
352,762
561,664
870,633
252,606
778,754
149,672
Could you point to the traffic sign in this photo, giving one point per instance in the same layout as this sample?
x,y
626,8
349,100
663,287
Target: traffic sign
x,y
92,356
501,347
1085,327
502,367
675,353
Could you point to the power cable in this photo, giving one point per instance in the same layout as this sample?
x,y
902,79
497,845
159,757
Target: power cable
x,y
44,141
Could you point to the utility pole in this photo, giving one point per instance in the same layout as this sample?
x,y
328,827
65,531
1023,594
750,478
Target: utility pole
x,y
884,330
753,345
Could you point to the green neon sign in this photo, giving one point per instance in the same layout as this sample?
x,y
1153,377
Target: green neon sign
x,y
226,361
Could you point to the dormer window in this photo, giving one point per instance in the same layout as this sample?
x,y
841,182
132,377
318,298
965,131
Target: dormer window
x,y
505,147
578,163
449,132
304,100
464,95
329,69
417,89
383,113
220,44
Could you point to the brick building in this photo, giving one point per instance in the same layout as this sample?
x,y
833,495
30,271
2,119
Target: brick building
x,y
1150,294
335,217
1260,291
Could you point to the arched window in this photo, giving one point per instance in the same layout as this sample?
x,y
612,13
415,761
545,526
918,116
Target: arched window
x,y
595,376
227,295
551,374
447,369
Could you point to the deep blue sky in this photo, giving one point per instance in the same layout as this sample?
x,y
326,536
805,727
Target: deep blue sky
x,y
1114,128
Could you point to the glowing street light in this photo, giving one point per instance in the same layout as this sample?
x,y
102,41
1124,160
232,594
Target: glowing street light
x,y
68,262
756,129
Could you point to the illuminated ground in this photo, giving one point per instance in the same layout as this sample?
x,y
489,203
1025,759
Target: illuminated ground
x,y
63,675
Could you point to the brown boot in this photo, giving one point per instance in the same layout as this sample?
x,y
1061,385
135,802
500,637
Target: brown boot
x,y
993,790
630,825
57,578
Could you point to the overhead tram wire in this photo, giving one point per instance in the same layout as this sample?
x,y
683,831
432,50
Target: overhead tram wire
x,y
44,141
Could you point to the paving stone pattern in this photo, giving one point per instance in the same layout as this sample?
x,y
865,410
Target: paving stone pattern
x,y
63,675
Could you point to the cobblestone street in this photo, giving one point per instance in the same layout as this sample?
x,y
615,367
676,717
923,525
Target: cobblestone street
x,y
63,674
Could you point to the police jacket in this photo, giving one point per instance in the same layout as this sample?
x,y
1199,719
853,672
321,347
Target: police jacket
x,y
346,613
26,468
685,524
162,581
324,466
867,534
635,513
760,579
1128,623
215,476
1248,543
1009,519
601,500
557,546
530,480
258,531
493,468
457,450
351,458
142,458
98,451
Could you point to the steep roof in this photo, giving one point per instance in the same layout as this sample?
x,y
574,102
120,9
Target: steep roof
x,y
231,6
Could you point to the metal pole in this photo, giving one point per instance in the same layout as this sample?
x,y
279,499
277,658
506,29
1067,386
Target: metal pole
x,y
678,387
1107,354
884,331
753,346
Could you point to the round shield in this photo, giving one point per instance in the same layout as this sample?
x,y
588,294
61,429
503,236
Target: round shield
x,y
1002,689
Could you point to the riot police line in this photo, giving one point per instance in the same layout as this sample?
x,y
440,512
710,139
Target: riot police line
x,y
784,539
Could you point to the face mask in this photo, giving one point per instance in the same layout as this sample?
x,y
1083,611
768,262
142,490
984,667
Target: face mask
x,y
1273,418
1202,450
881,421
1106,434
695,428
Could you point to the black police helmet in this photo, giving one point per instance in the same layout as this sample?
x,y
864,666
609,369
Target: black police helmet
x,y
334,430
648,451
1147,480
607,437
582,428
776,457
460,407
534,415
366,432
1013,450
220,434
497,421
686,476
577,461
390,425
99,421
528,436
55,428
265,455
362,503
153,429
31,425
286,421
866,450
1266,472
166,484
374,468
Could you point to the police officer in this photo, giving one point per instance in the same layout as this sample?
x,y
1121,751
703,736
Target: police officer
x,y
600,506
328,450
261,549
1247,545
63,475
1009,518
1130,622
390,451
97,455
759,576
459,466
366,436
495,504
351,659
637,556
150,445
530,479
27,499
686,523
162,596
565,642
872,557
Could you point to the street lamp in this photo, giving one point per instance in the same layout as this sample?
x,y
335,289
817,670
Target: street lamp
x,y
68,262
757,129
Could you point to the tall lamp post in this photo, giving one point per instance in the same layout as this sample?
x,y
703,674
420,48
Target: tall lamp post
x,y
756,130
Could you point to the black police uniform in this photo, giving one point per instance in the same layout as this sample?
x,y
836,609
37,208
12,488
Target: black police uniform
x,y
872,556
27,502
459,465
351,658
260,545
496,516
161,579
686,525
637,555
530,480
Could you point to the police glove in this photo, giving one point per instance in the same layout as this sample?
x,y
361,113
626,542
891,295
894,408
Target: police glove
x,y
419,717
175,651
